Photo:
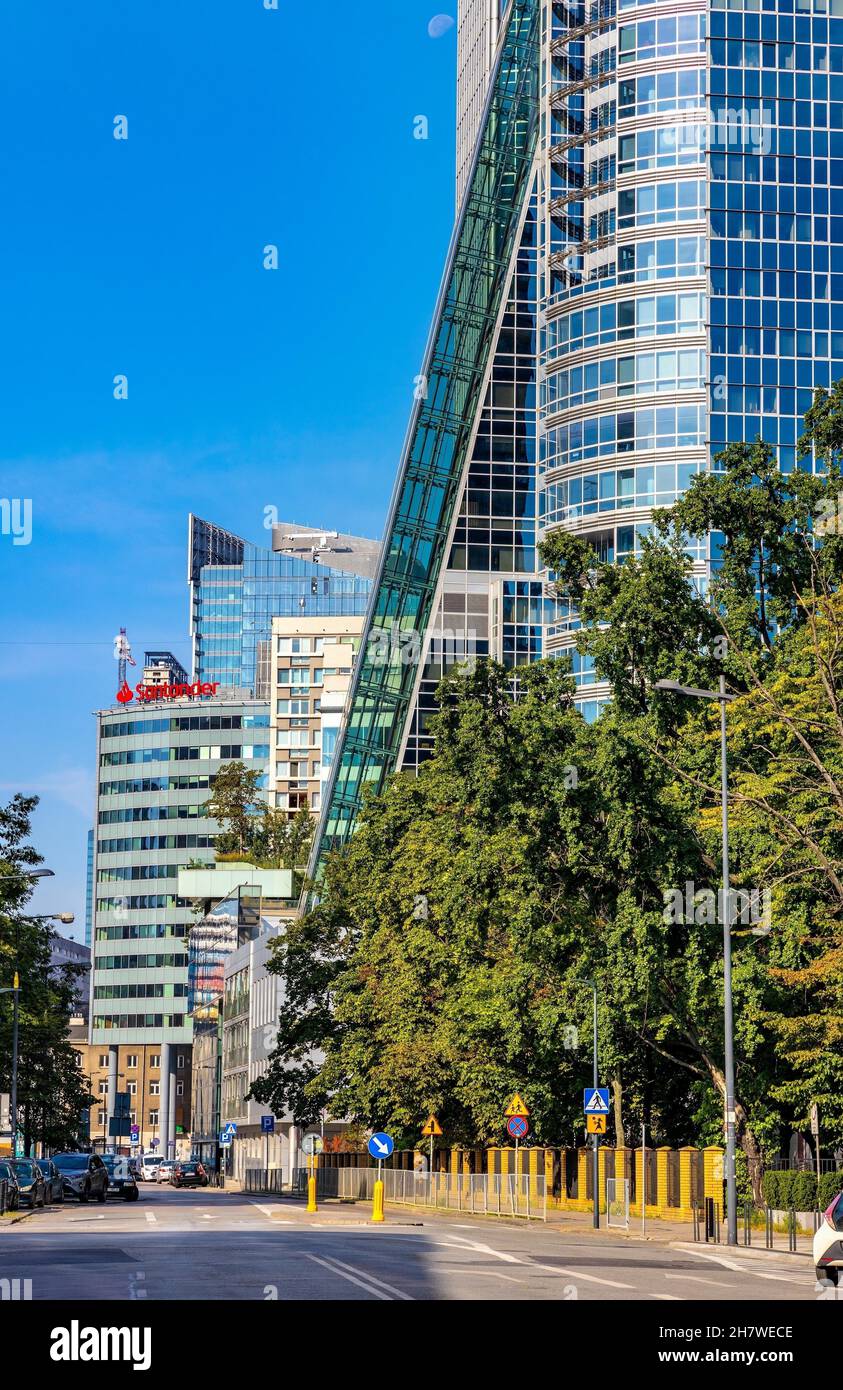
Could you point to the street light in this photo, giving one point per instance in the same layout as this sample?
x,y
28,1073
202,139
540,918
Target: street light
x,y
729,1049
31,873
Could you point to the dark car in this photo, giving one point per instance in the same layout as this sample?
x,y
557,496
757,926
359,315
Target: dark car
x,y
190,1174
10,1178
121,1180
83,1175
30,1181
52,1179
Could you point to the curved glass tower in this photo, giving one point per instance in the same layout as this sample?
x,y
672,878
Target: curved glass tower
x,y
651,233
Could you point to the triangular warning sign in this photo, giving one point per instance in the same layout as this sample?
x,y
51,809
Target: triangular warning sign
x,y
516,1107
432,1127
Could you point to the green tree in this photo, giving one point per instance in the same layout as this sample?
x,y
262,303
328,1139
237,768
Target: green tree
x,y
235,802
52,1092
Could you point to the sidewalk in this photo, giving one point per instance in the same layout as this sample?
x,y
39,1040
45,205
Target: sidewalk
x,y
674,1234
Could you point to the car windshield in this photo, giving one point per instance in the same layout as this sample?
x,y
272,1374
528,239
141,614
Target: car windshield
x,y
71,1163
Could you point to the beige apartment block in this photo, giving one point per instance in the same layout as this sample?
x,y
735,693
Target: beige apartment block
x,y
312,664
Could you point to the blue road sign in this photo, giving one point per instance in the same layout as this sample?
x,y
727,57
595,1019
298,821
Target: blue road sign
x,y
517,1126
381,1145
596,1100
225,1140
268,1124
229,1130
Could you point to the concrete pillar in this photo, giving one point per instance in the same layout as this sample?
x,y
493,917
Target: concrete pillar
x,y
642,1178
713,1173
164,1100
293,1144
113,1053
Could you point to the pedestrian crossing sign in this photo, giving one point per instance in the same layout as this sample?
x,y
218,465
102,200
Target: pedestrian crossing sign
x,y
516,1107
596,1100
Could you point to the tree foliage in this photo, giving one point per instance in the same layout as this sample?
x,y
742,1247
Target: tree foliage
x,y
52,1092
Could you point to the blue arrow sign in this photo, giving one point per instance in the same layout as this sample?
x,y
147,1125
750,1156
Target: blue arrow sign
x,y
596,1100
381,1145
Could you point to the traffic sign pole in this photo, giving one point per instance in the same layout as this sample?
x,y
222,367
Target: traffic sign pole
x,y
595,1138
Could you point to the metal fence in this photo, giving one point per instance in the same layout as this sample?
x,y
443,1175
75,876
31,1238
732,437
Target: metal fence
x,y
756,1224
480,1194
266,1180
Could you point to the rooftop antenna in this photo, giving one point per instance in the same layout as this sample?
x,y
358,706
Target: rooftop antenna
x,y
123,656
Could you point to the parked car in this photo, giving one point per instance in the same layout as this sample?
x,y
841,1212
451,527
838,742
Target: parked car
x,y
121,1179
165,1170
30,1182
150,1163
10,1178
190,1174
828,1243
52,1179
84,1175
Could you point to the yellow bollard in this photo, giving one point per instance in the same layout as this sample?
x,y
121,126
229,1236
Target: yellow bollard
x,y
377,1201
311,1194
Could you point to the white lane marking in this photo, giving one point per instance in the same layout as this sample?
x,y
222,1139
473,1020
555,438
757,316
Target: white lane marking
x,y
209,1215
749,1269
364,1274
269,1211
150,1217
696,1279
587,1278
86,1218
385,1297
484,1274
671,1297
462,1244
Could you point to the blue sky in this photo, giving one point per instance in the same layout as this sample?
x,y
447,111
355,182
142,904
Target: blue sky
x,y
144,257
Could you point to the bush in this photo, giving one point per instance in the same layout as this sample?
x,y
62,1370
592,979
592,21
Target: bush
x,y
804,1192
771,1188
786,1189
829,1186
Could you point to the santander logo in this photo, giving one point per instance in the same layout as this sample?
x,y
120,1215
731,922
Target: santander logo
x,y
166,692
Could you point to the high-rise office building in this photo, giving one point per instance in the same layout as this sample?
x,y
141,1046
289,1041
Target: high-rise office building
x,y
650,238
237,588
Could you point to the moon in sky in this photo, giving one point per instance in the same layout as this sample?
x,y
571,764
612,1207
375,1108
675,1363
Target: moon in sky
x,y
439,25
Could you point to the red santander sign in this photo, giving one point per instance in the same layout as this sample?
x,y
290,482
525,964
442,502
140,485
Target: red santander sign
x,y
166,692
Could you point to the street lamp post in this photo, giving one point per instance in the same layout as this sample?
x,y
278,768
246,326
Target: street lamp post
x,y
728,1015
14,990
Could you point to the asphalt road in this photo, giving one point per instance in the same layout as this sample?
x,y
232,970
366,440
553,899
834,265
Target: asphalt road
x,y
226,1245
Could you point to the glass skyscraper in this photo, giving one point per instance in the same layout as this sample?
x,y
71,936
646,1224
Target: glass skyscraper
x,y
647,264
237,588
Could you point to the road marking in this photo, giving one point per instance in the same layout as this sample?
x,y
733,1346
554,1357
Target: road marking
x,y
697,1279
748,1269
151,1217
485,1274
269,1211
481,1249
86,1218
385,1297
587,1278
671,1297
364,1274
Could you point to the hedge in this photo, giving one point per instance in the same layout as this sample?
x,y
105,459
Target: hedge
x,y
788,1189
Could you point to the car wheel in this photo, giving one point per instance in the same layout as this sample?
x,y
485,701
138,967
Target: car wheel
x,y
829,1274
